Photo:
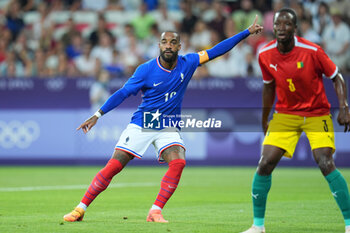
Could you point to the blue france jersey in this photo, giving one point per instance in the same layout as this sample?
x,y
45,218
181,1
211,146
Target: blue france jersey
x,y
162,90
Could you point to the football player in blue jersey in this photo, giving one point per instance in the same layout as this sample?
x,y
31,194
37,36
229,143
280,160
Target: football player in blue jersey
x,y
163,82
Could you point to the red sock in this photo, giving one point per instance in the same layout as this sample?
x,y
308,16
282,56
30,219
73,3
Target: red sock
x,y
102,180
170,181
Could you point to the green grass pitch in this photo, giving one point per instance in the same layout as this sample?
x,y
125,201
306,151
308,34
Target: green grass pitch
x,y
208,199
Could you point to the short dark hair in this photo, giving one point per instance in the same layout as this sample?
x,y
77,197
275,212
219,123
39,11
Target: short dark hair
x,y
288,10
175,32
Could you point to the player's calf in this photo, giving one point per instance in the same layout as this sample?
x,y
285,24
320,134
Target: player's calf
x,y
170,182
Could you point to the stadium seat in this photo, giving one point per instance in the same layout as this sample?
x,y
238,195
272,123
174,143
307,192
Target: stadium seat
x,y
116,20
85,21
30,18
60,17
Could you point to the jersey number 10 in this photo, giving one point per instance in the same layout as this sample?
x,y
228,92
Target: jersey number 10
x,y
169,96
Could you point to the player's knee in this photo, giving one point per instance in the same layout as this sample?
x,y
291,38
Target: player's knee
x,y
173,153
122,157
326,165
265,166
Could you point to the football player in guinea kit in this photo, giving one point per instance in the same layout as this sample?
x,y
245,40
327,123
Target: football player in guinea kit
x,y
292,67
163,82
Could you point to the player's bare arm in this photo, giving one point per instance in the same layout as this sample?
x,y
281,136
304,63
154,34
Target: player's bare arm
x,y
268,100
89,123
344,114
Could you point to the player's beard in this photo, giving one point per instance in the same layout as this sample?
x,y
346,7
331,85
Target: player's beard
x,y
170,59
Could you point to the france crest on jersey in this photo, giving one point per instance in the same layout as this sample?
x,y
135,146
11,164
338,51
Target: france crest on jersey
x,y
162,91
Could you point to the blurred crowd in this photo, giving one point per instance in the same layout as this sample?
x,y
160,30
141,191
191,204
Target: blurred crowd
x,y
86,38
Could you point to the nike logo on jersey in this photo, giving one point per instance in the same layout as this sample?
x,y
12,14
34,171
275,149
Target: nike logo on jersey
x,y
171,187
156,84
182,77
274,66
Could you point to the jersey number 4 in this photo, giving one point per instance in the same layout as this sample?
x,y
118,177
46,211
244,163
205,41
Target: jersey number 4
x,y
291,85
169,96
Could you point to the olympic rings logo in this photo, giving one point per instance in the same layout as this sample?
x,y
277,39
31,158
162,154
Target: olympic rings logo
x,y
55,84
254,85
18,134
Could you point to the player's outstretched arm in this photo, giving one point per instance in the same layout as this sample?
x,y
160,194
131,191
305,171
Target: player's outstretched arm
x,y
132,86
112,102
344,114
226,45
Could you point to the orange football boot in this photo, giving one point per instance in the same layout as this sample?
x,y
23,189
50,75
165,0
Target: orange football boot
x,y
76,215
155,216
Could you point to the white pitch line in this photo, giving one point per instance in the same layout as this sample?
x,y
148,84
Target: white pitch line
x,y
72,187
